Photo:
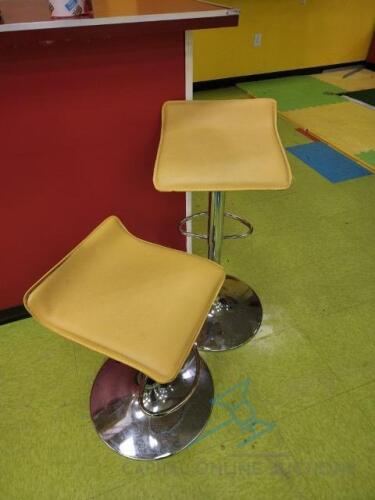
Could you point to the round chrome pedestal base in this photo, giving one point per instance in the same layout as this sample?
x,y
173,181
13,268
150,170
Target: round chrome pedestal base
x,y
125,428
234,319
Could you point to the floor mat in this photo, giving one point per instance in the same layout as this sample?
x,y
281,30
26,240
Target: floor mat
x,y
368,157
347,126
222,93
328,162
319,110
366,96
295,92
363,79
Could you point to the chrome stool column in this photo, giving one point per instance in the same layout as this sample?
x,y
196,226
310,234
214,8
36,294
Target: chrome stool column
x,y
236,314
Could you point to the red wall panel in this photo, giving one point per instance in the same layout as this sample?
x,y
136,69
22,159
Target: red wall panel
x,y
79,128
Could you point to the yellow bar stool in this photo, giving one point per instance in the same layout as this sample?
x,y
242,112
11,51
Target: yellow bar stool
x,y
112,294
220,146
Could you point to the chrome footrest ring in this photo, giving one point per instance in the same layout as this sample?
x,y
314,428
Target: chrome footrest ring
x,y
200,236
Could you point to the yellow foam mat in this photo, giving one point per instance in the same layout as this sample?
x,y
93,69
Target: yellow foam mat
x,y
361,80
346,126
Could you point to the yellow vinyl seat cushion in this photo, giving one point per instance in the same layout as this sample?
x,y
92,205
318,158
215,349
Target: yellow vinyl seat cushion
x,y
220,146
139,303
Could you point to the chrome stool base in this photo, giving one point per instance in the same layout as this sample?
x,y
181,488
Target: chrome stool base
x,y
234,319
124,427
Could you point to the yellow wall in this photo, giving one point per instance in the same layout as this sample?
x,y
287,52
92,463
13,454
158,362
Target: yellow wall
x,y
319,33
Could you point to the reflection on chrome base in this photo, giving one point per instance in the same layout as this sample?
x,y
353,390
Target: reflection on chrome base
x,y
124,427
234,319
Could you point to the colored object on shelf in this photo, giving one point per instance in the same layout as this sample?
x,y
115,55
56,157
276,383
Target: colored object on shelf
x,y
328,162
69,8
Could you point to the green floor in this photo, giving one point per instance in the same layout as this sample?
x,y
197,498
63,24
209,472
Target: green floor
x,y
311,371
295,92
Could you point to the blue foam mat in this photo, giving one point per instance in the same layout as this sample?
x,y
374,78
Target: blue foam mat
x,y
328,162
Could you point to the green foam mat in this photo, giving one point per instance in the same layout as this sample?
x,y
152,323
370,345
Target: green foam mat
x,y
221,93
366,96
294,92
368,157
